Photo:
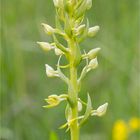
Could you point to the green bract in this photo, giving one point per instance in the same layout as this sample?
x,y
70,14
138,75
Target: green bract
x,y
73,28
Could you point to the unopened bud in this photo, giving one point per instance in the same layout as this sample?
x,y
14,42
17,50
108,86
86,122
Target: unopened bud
x,y
58,51
79,106
45,46
89,4
50,71
58,3
48,29
80,29
93,64
93,53
93,31
101,110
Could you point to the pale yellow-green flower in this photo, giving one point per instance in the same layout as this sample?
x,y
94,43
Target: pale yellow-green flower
x,y
51,72
79,106
58,3
93,31
48,29
101,110
93,53
58,51
93,64
80,29
45,46
54,100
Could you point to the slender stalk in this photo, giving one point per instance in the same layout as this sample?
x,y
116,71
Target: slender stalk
x,y
74,127
73,93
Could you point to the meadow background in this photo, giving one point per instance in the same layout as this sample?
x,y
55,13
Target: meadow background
x,y
24,84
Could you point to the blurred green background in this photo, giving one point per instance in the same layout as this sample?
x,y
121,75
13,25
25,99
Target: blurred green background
x,y
24,84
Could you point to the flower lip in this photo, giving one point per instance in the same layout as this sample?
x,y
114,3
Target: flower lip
x,y
54,100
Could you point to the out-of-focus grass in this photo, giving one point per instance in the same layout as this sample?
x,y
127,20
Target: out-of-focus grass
x,y
24,84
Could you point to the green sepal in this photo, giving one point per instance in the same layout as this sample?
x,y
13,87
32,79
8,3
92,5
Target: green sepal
x,y
67,25
59,45
78,57
60,14
79,20
81,10
66,6
57,22
61,75
85,33
88,111
67,111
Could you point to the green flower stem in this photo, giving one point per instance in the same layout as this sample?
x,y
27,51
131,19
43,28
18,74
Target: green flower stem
x,y
73,94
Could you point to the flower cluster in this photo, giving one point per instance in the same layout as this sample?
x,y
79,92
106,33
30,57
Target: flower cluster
x,y
73,28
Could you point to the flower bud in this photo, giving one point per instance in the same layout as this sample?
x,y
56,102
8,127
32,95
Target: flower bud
x,y
58,51
101,110
80,29
50,71
45,46
79,106
93,64
93,31
48,29
58,3
93,53
89,4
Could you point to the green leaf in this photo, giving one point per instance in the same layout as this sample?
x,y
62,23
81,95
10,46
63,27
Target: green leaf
x,y
88,111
